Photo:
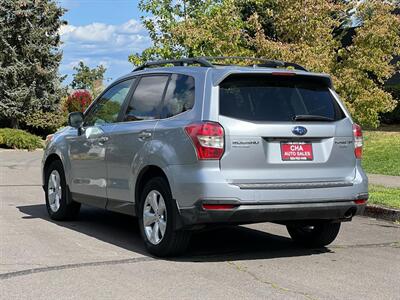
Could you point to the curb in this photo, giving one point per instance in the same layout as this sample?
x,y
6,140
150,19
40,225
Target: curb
x,y
379,212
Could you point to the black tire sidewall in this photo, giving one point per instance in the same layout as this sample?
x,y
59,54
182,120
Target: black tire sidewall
x,y
322,235
62,211
159,184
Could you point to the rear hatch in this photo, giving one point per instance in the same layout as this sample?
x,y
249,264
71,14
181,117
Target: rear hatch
x,y
284,129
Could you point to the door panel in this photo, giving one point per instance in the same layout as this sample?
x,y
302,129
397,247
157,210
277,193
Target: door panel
x,y
88,151
131,138
127,141
87,154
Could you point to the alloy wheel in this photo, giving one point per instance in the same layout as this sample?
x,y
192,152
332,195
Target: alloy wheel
x,y
154,217
54,190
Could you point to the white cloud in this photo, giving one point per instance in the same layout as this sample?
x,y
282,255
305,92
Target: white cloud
x,y
95,32
100,43
132,26
101,32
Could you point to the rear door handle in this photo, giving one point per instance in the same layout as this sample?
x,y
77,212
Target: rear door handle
x,y
145,135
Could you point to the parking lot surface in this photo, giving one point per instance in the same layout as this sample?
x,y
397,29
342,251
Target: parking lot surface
x,y
101,255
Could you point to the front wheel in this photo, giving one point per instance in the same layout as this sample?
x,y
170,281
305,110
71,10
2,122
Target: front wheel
x,y
156,220
58,206
317,235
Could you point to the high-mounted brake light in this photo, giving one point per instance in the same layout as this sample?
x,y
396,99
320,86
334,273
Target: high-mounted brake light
x,y
283,74
358,140
208,139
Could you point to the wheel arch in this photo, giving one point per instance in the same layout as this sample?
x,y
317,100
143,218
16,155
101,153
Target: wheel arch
x,y
49,159
52,157
144,176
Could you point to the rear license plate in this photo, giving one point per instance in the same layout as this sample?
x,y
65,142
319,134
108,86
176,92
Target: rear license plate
x,y
296,151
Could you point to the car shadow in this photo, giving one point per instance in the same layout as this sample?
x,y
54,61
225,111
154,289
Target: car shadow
x,y
212,245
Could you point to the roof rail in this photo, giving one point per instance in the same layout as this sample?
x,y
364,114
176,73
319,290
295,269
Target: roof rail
x,y
206,62
264,60
266,63
176,62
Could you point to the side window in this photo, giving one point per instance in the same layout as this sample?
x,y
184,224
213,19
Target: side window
x,y
146,99
179,96
107,108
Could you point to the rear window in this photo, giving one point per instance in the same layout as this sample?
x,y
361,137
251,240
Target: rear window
x,y
276,98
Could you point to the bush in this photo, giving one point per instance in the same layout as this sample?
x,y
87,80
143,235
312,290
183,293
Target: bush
x,y
44,123
78,101
393,117
19,139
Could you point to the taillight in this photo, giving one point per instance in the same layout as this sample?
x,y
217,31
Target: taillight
x,y
208,139
358,140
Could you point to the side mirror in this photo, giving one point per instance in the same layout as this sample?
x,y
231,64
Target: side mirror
x,y
75,119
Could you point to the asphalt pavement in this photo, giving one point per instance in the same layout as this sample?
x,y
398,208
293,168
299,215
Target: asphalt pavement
x,y
101,255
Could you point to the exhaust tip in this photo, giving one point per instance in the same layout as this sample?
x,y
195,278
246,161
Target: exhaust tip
x,y
350,213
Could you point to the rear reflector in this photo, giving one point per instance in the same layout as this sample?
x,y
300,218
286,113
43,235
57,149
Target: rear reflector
x,y
360,201
358,140
218,206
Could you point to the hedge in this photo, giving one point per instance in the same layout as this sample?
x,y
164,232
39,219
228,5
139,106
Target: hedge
x,y
19,139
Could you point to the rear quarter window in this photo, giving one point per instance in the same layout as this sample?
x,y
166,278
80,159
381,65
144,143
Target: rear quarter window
x,y
276,98
179,96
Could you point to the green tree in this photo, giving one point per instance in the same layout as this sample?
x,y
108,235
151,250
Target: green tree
x,y
29,58
86,78
191,28
306,32
365,65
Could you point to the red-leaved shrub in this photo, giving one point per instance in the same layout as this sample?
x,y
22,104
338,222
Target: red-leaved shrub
x,y
79,100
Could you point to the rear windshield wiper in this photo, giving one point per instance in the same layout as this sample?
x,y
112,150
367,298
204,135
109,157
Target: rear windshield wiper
x,y
312,118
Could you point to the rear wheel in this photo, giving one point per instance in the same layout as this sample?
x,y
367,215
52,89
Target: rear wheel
x,y
156,220
317,235
58,206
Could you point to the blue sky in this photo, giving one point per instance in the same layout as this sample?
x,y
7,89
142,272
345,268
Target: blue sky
x,y
101,32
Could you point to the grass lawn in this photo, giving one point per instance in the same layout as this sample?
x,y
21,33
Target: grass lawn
x,y
382,151
380,195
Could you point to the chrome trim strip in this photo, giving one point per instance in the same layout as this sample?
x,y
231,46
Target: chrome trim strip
x,y
293,185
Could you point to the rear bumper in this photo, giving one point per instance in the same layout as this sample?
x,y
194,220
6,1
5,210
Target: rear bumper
x,y
194,185
254,212
204,181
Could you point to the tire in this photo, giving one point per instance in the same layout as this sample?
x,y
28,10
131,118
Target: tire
x,y
57,194
318,235
160,240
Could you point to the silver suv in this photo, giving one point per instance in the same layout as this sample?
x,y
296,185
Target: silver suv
x,y
185,144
